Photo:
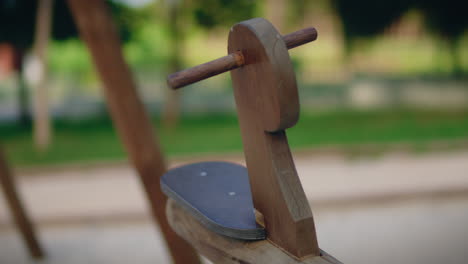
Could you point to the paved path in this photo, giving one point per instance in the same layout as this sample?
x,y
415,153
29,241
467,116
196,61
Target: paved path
x,y
395,209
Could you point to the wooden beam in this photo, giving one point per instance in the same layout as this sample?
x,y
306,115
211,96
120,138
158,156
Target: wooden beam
x,y
18,212
127,111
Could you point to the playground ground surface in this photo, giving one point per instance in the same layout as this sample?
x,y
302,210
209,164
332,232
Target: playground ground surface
x,y
397,208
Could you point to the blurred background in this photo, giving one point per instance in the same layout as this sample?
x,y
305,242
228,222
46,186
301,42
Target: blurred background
x,y
381,145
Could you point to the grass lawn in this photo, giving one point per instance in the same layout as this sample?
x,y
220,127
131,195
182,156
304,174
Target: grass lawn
x,y
96,140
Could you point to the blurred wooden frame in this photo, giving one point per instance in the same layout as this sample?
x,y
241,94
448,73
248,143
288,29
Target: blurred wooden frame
x,y
133,125
18,212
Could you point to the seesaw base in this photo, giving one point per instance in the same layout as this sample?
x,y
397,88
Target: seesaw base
x,y
218,195
225,250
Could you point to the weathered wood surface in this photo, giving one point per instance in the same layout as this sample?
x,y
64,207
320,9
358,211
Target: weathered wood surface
x,y
232,61
224,250
267,103
128,114
18,212
300,37
205,70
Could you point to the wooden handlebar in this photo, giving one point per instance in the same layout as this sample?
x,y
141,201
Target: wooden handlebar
x,y
232,61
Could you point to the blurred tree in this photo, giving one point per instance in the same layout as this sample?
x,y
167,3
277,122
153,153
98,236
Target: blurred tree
x,y
367,18
18,18
42,127
177,23
213,13
448,20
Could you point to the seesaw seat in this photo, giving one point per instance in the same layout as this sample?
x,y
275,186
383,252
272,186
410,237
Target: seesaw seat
x,y
218,195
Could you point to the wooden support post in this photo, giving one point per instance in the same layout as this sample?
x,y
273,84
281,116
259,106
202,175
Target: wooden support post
x,y
42,126
130,118
267,104
19,214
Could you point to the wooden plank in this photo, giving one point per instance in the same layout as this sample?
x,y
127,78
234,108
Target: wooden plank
x,y
19,214
267,103
224,250
127,111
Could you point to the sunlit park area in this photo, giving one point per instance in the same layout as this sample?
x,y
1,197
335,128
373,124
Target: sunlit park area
x,y
88,125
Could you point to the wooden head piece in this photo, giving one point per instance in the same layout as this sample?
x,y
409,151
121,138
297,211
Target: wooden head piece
x,y
267,103
267,78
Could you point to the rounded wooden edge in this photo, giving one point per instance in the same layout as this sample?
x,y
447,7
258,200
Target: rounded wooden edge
x,y
269,69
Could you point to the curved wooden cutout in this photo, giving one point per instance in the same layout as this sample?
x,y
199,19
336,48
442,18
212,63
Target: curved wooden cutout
x,y
224,250
267,103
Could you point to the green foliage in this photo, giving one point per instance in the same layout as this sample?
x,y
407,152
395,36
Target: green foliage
x,y
127,19
368,18
149,46
96,140
212,13
70,58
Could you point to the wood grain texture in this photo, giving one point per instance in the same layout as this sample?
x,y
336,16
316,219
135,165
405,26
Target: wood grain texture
x,y
18,212
128,114
300,37
232,61
224,250
206,70
267,103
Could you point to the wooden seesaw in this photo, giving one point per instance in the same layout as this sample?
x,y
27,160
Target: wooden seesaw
x,y
258,214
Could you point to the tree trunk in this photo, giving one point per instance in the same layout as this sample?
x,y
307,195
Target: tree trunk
x,y
457,67
171,111
42,130
24,116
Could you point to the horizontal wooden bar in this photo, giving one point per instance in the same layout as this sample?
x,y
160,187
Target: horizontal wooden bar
x,y
232,61
205,70
300,37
